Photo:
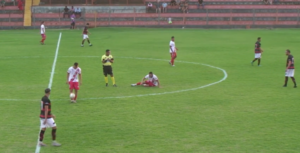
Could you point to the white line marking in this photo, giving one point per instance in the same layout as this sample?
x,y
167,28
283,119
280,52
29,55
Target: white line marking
x,y
38,148
152,94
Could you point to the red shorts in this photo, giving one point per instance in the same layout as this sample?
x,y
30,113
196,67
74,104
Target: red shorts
x,y
73,85
149,83
43,36
174,54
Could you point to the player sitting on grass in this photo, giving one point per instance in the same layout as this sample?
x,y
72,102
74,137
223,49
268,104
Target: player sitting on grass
x,y
150,80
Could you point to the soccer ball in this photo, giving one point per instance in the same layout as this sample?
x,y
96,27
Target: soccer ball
x,y
72,95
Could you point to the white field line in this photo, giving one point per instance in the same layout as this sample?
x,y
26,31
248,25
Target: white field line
x,y
152,94
38,148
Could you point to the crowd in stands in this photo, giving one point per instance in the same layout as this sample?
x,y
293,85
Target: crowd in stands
x,y
270,1
19,3
75,12
162,7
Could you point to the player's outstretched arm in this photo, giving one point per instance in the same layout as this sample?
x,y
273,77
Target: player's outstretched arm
x,y
80,79
288,65
143,80
46,114
171,48
68,78
158,83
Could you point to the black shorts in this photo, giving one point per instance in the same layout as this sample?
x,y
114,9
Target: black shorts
x,y
107,70
73,24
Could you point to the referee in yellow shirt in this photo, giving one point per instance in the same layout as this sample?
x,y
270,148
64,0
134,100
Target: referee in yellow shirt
x,y
107,61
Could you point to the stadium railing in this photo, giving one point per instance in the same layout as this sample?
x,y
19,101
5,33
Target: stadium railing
x,y
240,18
91,2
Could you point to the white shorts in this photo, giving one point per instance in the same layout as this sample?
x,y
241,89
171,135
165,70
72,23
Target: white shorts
x,y
257,55
290,73
50,123
85,36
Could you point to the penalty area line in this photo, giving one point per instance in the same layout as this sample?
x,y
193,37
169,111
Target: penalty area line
x,y
38,147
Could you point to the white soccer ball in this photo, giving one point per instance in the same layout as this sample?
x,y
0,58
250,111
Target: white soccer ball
x,y
72,95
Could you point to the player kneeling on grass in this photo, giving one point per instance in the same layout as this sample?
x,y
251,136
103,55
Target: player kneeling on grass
x,y
47,119
150,80
85,35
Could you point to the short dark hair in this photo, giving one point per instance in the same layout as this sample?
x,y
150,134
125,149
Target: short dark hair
x,y
75,64
258,38
42,22
47,90
87,24
172,37
107,50
150,72
288,51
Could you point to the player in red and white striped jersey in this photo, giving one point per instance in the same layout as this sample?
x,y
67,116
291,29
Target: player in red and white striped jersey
x,y
173,50
43,33
150,80
74,72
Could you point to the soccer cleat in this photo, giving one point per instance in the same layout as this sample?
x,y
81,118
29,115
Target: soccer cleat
x,y
74,101
115,85
91,44
284,86
170,63
133,85
252,63
258,65
173,65
106,84
295,86
41,144
56,144
81,45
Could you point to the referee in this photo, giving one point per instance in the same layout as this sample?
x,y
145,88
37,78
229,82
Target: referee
x,y
107,60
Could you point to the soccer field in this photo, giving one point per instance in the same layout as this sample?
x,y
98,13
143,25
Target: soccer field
x,y
197,109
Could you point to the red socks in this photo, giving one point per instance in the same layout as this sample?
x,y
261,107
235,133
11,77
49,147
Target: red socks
x,y
139,83
172,61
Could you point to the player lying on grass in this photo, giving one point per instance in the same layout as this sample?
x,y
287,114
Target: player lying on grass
x,y
150,80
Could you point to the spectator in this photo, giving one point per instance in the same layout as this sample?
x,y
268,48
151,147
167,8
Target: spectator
x,y
164,6
2,3
178,2
186,5
71,11
78,11
200,3
20,5
270,1
73,21
157,6
170,21
173,3
149,6
66,12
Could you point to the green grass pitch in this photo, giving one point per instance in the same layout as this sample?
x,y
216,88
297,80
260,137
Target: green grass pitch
x,y
249,112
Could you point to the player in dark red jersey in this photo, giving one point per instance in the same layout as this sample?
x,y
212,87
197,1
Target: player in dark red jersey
x,y
290,69
47,119
85,35
258,52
